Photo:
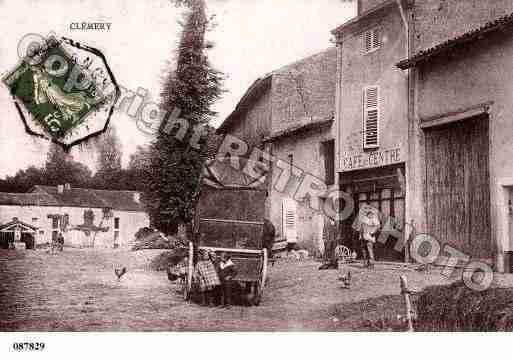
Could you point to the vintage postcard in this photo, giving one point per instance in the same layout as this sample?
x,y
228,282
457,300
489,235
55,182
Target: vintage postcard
x,y
255,166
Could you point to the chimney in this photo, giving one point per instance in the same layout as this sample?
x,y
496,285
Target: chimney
x,y
60,188
67,186
137,197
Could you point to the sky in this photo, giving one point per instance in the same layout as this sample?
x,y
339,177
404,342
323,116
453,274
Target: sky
x,y
252,38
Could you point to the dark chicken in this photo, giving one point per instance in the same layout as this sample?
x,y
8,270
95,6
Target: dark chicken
x,y
120,272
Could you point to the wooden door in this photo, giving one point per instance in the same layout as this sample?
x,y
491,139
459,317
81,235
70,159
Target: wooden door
x,y
458,186
510,216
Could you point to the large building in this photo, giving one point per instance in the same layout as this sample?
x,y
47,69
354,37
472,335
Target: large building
x,y
85,217
460,162
371,115
421,98
290,114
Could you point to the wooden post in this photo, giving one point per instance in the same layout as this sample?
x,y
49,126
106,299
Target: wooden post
x,y
264,270
188,283
405,291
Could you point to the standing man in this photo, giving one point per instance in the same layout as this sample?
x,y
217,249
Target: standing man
x,y
331,234
269,234
367,224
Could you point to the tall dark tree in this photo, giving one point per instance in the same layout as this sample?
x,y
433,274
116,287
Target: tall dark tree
x,y
193,87
60,168
135,176
109,172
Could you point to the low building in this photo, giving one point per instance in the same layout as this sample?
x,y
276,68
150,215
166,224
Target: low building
x,y
85,217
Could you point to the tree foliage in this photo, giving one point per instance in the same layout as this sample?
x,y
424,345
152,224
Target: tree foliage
x,y
192,87
109,172
61,168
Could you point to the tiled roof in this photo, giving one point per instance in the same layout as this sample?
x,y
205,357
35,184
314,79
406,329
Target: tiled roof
x,y
74,197
17,223
291,131
252,94
27,199
357,20
448,45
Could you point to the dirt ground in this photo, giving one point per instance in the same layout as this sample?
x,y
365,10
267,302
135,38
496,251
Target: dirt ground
x,y
76,290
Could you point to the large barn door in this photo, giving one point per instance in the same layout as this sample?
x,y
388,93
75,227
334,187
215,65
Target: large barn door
x,y
457,186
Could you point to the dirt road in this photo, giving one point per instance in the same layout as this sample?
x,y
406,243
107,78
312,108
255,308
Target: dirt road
x,y
77,291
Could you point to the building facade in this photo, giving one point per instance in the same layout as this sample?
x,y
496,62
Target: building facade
x,y
371,116
460,124
289,113
302,135
107,219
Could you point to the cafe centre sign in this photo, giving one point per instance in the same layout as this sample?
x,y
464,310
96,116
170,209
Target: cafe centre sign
x,y
372,159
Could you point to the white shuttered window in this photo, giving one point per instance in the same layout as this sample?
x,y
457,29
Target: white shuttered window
x,y
371,117
289,219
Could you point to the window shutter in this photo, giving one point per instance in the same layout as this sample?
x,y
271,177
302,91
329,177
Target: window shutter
x,y
371,40
367,41
289,227
376,42
328,148
371,117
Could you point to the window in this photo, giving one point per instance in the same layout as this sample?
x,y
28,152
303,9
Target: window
x,y
289,220
116,232
371,40
328,151
55,222
371,117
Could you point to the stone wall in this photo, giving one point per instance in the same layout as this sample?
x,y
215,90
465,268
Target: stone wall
x,y
439,20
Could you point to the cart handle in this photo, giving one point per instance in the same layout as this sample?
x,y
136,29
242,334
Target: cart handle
x,y
230,221
233,250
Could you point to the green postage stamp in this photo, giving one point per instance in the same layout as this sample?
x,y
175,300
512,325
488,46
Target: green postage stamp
x,y
62,86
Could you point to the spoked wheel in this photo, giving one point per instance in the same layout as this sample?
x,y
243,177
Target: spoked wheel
x,y
342,253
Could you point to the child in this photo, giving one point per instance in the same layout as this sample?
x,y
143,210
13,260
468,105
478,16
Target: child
x,y
227,273
207,279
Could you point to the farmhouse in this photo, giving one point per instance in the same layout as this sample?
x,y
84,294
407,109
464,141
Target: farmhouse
x,y
85,217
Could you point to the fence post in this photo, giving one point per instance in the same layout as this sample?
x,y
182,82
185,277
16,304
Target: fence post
x,y
406,292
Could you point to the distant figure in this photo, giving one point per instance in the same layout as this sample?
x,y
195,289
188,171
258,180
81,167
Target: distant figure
x,y
268,237
367,225
205,275
227,273
60,241
331,234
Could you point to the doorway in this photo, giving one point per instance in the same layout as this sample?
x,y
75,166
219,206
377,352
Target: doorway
x,y
381,189
458,186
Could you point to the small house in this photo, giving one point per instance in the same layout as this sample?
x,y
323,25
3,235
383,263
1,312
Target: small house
x,y
85,217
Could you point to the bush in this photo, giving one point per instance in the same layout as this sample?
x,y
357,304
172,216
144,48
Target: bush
x,y
164,260
455,307
147,238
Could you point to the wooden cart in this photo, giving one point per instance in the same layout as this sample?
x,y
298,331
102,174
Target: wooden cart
x,y
230,220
